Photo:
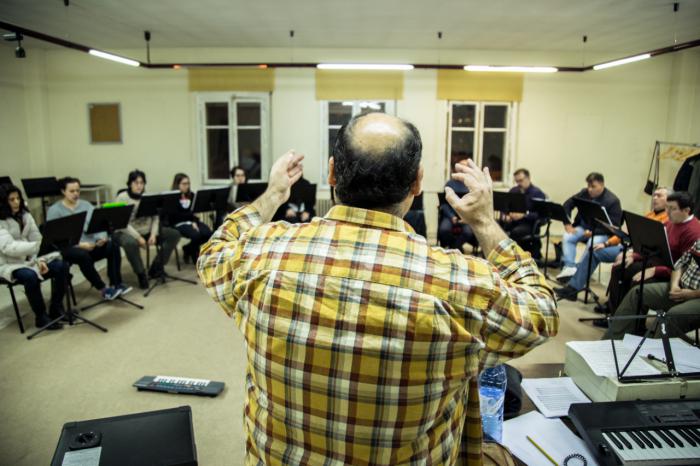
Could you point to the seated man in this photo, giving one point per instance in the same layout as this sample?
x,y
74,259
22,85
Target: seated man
x,y
680,299
519,225
361,338
452,232
610,251
580,231
92,247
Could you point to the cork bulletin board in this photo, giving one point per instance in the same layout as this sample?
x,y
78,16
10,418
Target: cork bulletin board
x,y
105,123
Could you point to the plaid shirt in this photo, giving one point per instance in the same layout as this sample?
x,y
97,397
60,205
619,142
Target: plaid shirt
x,y
363,341
689,262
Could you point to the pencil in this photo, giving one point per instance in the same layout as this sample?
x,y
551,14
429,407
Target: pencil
x,y
542,451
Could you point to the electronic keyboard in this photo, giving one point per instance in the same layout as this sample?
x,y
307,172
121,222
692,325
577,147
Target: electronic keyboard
x,y
655,432
181,385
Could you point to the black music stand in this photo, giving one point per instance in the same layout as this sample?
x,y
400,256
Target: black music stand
x,y
60,235
248,192
591,211
160,205
509,202
663,320
549,211
110,219
41,188
649,239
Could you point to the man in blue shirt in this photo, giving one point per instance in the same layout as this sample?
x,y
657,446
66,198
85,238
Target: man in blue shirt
x,y
520,226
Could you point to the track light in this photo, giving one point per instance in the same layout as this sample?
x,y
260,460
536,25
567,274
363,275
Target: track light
x,y
117,58
622,61
16,37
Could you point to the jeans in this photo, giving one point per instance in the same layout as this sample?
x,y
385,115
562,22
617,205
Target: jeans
x,y
58,271
86,261
169,240
656,298
569,241
197,238
578,281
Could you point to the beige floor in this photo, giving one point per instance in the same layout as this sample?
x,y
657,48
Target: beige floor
x,y
81,373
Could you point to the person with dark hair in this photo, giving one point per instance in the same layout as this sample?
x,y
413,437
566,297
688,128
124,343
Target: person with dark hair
x,y
611,251
186,222
20,241
394,330
580,231
238,176
92,247
453,233
521,225
142,232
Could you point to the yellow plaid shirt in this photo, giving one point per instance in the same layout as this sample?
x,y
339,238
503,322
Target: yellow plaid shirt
x,y
363,341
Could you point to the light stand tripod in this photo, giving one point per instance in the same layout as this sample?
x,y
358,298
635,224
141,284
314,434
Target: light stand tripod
x,y
60,235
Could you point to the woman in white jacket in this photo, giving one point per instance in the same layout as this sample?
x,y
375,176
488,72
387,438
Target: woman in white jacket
x,y
20,241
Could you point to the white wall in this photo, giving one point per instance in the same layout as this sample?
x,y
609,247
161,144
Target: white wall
x,y
569,124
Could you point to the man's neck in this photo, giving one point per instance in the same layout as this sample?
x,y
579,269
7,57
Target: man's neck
x,y
69,204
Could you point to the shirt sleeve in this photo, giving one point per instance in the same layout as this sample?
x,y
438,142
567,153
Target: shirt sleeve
x,y
522,311
220,258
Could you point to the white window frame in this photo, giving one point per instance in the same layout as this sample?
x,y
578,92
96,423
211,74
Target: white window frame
x,y
233,98
389,109
479,130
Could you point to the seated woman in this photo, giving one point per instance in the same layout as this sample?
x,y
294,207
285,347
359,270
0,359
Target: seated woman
x,y
20,241
186,222
142,232
92,247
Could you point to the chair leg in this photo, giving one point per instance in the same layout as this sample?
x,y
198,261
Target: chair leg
x,y
19,317
177,259
72,293
148,256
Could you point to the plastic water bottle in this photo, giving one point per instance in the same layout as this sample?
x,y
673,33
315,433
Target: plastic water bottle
x,y
492,393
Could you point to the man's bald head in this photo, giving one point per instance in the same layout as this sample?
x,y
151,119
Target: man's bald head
x,y
376,159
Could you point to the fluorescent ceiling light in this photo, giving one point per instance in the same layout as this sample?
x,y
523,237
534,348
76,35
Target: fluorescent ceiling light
x,y
357,66
623,61
512,69
117,58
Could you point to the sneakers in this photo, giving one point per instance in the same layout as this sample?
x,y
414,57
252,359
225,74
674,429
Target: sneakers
x,y
143,281
156,271
123,288
601,308
602,323
109,293
566,272
566,292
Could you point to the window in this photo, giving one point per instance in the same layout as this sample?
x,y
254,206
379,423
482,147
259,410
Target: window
x,y
234,130
483,132
335,115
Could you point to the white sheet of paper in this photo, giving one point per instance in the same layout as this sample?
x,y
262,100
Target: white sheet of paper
x,y
599,356
550,434
86,457
553,396
685,356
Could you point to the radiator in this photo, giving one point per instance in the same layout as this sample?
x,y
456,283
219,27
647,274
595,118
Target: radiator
x,y
323,206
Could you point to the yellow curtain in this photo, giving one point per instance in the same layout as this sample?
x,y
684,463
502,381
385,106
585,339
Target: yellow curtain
x,y
359,85
231,79
474,85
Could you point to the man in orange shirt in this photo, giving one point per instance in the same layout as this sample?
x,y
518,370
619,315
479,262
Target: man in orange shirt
x,y
610,251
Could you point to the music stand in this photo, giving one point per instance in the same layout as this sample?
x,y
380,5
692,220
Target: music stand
x,y
110,219
248,192
160,205
41,188
60,235
549,211
663,320
509,202
591,211
649,239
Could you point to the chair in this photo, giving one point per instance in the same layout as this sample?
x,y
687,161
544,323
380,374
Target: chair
x,y
11,286
535,237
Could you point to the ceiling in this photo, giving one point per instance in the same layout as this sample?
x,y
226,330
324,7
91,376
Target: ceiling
x,y
623,26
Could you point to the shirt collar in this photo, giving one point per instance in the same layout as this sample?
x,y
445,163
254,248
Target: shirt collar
x,y
369,218
689,218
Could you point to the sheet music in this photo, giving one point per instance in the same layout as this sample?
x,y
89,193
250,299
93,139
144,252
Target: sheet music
x,y
550,434
553,396
599,356
686,357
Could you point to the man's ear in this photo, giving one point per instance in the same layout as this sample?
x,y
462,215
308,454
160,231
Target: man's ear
x,y
417,185
331,172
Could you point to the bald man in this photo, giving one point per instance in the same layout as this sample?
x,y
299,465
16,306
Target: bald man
x,y
363,341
